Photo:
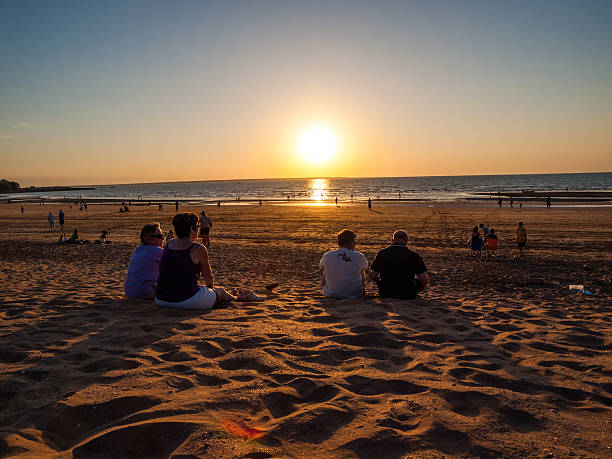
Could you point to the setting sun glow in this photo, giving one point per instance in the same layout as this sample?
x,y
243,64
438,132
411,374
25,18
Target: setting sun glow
x,y
317,144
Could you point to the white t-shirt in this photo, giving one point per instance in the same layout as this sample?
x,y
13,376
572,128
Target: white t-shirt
x,y
343,273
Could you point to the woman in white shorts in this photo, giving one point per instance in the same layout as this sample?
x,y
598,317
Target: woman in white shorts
x,y
182,262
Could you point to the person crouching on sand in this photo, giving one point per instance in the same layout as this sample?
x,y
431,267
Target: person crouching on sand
x,y
398,271
182,261
344,269
143,271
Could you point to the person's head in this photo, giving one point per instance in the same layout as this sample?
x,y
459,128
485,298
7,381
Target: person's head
x,y
520,223
346,239
481,225
492,231
185,224
475,229
75,232
400,237
151,234
204,213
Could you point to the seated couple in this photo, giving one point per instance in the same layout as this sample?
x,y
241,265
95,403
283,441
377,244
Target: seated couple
x,y
398,271
170,275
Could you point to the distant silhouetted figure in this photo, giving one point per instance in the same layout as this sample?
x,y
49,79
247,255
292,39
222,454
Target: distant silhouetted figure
x,y
218,204
22,210
521,238
61,219
51,220
176,205
511,201
126,209
548,204
260,203
336,200
369,203
499,201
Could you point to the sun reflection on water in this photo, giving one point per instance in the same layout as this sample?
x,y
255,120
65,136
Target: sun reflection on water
x,y
318,190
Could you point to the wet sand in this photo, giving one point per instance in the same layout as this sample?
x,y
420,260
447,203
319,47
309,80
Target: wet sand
x,y
496,358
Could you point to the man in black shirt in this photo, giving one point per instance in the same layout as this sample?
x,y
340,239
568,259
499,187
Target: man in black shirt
x,y
398,271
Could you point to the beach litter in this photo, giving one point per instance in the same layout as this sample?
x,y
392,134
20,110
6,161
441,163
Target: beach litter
x,y
580,288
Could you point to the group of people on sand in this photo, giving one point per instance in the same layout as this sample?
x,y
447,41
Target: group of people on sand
x,y
169,272
488,242
397,271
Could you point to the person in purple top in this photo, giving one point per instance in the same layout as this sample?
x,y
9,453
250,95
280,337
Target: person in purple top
x,y
143,271
182,262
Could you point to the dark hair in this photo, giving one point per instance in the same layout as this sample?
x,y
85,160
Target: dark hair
x,y
520,223
475,229
183,223
400,235
345,237
146,230
492,231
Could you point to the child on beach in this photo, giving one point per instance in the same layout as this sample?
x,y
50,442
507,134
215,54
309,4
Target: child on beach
x,y
492,243
475,243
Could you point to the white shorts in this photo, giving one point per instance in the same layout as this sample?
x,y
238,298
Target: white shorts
x,y
205,298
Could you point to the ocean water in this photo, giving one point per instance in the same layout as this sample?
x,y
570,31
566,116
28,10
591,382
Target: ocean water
x,y
322,189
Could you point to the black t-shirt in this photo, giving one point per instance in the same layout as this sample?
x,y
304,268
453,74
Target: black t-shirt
x,y
397,266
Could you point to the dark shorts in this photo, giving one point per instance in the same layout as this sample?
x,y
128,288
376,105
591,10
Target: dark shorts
x,y
521,244
204,230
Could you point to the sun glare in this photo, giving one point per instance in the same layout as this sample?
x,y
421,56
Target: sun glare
x,y
317,144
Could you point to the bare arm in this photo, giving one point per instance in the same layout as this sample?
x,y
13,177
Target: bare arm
x,y
200,255
373,275
423,280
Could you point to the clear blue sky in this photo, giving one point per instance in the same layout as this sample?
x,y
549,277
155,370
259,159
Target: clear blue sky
x,y
105,91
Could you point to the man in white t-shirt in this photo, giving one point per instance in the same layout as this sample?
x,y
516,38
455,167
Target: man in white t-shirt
x,y
344,269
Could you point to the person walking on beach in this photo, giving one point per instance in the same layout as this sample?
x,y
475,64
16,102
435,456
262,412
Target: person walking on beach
x,y
61,219
51,220
485,231
511,201
521,238
176,205
499,202
398,271
369,204
22,209
205,225
344,269
548,203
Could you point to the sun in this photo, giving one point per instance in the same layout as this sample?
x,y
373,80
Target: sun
x,y
317,144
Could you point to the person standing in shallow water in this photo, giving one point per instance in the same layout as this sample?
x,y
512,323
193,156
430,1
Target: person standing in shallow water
x,y
369,203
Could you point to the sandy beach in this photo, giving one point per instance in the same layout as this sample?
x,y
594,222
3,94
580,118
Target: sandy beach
x,y
498,358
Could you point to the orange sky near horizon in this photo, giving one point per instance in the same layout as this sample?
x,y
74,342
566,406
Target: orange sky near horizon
x,y
112,93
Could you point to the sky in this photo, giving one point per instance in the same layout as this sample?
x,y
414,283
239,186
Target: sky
x,y
96,92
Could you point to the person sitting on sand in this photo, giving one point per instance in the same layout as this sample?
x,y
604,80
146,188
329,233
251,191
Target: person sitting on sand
x,y
492,243
182,261
475,242
521,238
398,271
143,270
74,239
102,239
344,269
